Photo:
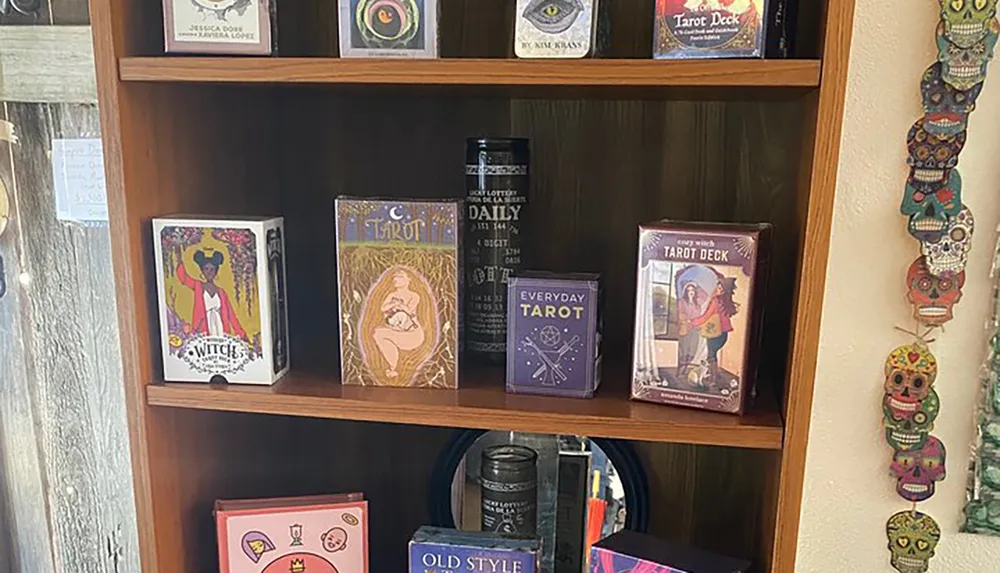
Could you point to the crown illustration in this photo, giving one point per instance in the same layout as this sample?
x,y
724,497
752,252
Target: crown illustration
x,y
298,566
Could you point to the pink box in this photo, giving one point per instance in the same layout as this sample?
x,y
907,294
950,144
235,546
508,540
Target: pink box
x,y
317,534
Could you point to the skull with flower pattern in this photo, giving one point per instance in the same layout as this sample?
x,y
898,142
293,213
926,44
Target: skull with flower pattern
x,y
946,109
966,22
918,470
910,371
933,297
908,424
929,202
950,252
932,151
963,67
913,537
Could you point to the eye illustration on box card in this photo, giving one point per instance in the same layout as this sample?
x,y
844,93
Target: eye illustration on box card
x,y
557,28
552,16
388,28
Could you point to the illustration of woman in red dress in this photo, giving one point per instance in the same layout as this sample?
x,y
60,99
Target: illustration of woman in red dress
x,y
213,313
715,323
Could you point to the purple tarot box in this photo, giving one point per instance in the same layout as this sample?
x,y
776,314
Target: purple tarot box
x,y
627,551
554,334
438,550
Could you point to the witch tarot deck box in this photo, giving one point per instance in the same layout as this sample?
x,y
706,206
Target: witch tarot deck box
x,y
388,28
316,534
699,294
723,29
219,26
438,550
630,552
222,302
399,273
554,334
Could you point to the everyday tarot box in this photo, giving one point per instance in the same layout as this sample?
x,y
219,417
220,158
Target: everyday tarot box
x,y
699,294
317,534
437,550
557,28
722,29
627,552
398,270
554,334
219,26
221,289
388,28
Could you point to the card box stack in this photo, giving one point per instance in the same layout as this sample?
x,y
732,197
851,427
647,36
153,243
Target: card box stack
x,y
399,272
554,334
317,534
559,28
221,287
699,302
437,550
219,26
627,551
388,28
723,29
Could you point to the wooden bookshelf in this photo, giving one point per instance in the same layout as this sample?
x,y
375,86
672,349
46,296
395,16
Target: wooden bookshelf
x,y
615,142
476,72
482,404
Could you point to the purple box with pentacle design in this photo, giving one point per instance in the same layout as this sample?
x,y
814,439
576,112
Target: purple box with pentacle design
x,y
554,334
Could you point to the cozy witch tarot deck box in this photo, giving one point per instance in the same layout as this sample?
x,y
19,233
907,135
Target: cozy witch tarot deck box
x,y
628,552
554,334
399,272
699,295
437,550
317,534
722,29
219,26
388,28
221,287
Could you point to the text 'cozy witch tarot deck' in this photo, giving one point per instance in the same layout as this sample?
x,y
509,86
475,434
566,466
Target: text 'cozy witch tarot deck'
x,y
398,270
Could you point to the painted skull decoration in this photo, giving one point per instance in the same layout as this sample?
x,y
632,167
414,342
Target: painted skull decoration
x,y
916,471
930,203
965,66
930,151
913,537
966,22
948,254
910,371
946,109
908,424
932,297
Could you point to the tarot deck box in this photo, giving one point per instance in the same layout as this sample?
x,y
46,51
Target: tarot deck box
x,y
399,272
559,28
221,289
554,334
437,550
219,26
699,294
316,534
388,28
723,29
627,552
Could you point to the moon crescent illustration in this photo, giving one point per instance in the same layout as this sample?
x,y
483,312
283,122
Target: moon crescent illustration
x,y
394,215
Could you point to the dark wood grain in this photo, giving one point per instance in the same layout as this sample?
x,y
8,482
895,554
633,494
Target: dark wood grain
x,y
718,73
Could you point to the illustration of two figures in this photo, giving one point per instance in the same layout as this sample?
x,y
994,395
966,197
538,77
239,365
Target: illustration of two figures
x,y
705,306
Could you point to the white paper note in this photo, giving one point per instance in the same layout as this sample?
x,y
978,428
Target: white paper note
x,y
78,174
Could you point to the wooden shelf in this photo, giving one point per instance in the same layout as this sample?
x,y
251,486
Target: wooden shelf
x,y
475,72
483,404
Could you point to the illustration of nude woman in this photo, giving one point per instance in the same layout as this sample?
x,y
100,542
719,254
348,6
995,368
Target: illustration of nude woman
x,y
401,331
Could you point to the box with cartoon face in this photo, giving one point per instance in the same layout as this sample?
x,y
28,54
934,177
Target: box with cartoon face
x,y
222,302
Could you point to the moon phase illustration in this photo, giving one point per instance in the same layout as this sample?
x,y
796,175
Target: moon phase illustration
x,y
394,215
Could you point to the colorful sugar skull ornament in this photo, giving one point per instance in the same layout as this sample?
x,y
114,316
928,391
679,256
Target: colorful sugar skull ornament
x,y
946,109
965,66
966,22
932,151
910,371
933,298
908,424
932,200
949,253
913,537
917,470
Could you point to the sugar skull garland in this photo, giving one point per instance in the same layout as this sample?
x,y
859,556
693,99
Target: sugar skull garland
x,y
932,201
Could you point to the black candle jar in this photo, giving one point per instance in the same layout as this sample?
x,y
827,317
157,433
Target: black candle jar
x,y
510,490
496,175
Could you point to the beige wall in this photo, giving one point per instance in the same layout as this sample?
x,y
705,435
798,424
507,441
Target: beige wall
x,y
848,495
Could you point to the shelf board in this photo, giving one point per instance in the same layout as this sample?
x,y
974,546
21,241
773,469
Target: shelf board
x,y
482,403
475,72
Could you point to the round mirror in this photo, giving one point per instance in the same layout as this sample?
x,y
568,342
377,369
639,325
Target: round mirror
x,y
569,491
